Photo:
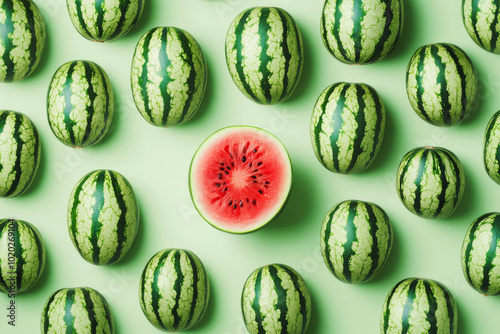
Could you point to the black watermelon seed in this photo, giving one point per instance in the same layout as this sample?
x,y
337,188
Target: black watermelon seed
x,y
221,168
226,172
253,177
219,176
244,159
241,204
260,191
260,163
235,206
217,185
254,202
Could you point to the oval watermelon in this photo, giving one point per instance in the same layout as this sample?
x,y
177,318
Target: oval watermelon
x,y
491,148
168,77
264,54
481,18
240,178
356,240
276,299
347,127
174,290
80,103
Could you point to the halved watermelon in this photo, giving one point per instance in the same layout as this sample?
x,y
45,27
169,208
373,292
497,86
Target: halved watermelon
x,y
240,178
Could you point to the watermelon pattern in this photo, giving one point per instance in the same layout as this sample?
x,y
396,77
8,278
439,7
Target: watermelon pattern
x,y
174,290
19,153
361,31
481,254
430,182
264,54
417,305
481,20
103,217
356,240
22,255
276,299
80,103
104,20
169,76
441,83
491,148
347,127
77,310
22,39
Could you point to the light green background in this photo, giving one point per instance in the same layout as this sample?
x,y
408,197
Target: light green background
x,y
156,162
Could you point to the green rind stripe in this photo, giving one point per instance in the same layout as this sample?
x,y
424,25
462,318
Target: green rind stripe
x,y
46,311
457,168
3,229
281,304
303,302
357,17
491,148
69,318
17,169
74,203
30,17
165,63
6,30
375,251
433,306
288,23
494,32
100,17
380,49
122,222
491,253
441,79
468,250
473,16
143,79
407,308
453,52
155,293
96,226
338,122
68,104
419,78
191,80
264,29
256,304
361,128
179,279
326,236
88,71
90,307
19,255
79,14
194,300
351,236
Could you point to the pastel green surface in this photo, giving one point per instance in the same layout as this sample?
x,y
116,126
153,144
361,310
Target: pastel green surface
x,y
156,162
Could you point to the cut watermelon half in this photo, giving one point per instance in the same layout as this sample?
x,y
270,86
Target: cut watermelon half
x,y
240,178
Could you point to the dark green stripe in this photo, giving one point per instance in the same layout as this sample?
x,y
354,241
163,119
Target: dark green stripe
x,y
280,304
155,290
17,168
431,313
178,283
79,15
357,149
36,157
238,47
193,74
487,138
143,79
491,254
374,232
108,90
90,307
473,16
493,28
107,312
3,120
30,18
419,74
454,54
69,318
405,162
124,8
98,197
4,228
408,306
67,93
471,236
121,225
164,64
300,59
439,169
318,128
441,80
337,123
255,304
456,169
418,180
19,250
450,309
357,18
89,72
328,233
302,299
46,311
287,24
380,114
264,28
196,278
386,311
386,34
40,252
73,228
350,232
6,30
337,29
99,21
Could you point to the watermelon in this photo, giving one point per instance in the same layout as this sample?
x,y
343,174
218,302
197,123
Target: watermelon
x,y
77,310
80,103
103,217
240,178
491,148
441,84
481,20
430,182
264,54
417,305
362,31
347,127
481,254
22,256
174,290
276,299
22,39
104,20
168,77
19,153
356,240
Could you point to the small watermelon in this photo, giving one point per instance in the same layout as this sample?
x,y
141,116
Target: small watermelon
x,y
356,240
22,256
80,103
481,18
174,290
441,84
363,31
430,182
19,153
347,127
22,39
78,311
481,254
491,148
169,76
264,54
417,305
276,299
240,178
104,20
103,217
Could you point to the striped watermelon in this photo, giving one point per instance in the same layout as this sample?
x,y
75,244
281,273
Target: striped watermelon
x,y
441,84
347,127
19,153
417,305
491,148
174,290
80,103
481,20
22,39
430,182
356,240
104,20
22,256
264,54
78,311
276,299
481,252
103,217
169,76
361,31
